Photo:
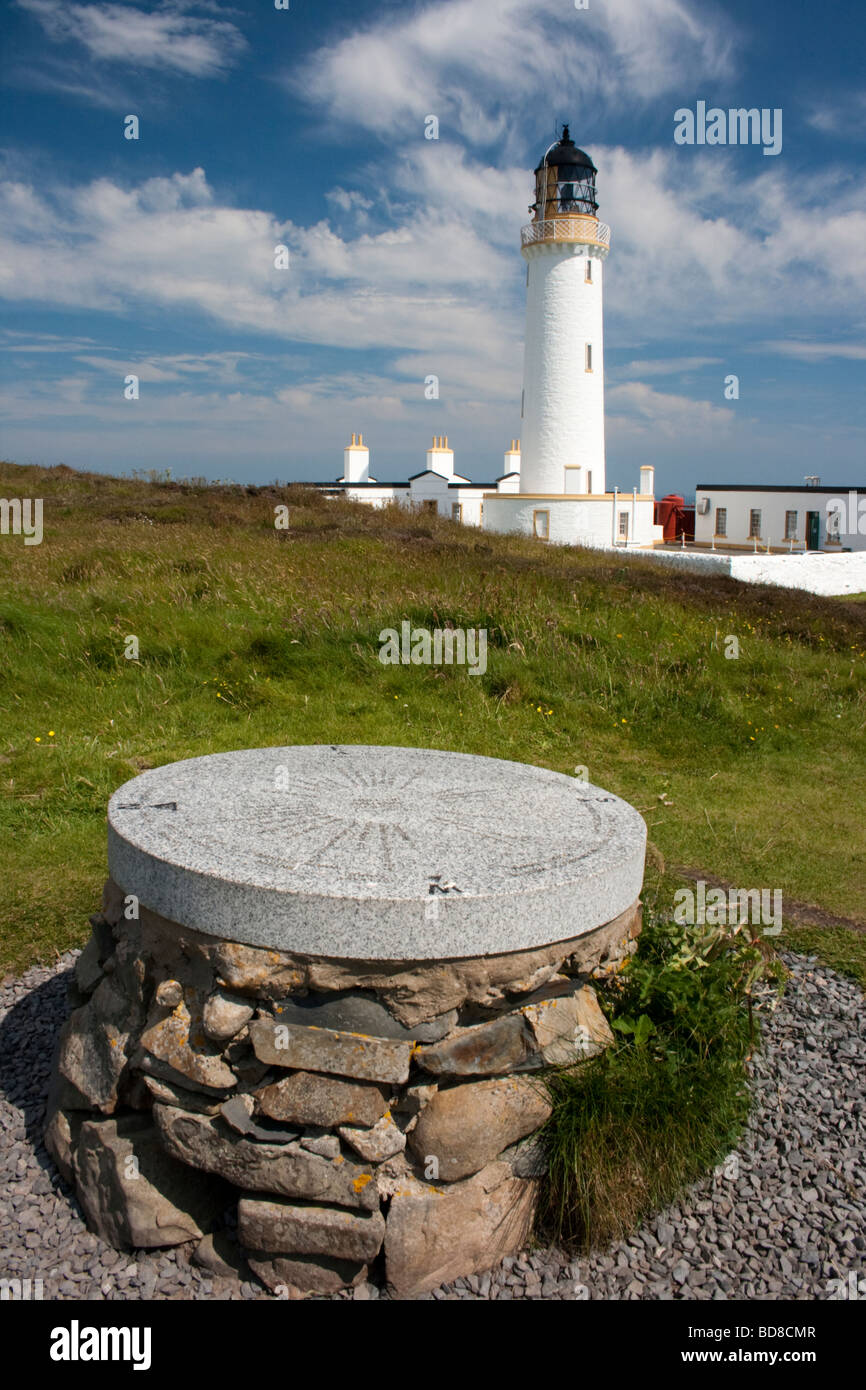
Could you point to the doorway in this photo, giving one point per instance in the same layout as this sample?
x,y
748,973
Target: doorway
x,y
813,530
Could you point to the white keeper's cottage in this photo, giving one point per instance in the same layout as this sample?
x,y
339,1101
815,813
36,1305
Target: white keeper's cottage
x,y
810,517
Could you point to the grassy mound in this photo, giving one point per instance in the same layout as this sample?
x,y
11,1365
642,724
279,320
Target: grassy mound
x,y
631,1128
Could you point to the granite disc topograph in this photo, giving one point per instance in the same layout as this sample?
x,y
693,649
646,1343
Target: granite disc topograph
x,y
369,853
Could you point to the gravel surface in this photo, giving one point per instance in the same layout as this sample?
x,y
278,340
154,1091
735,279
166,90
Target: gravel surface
x,y
782,1218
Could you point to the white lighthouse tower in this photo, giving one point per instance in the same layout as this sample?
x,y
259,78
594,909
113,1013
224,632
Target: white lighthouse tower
x,y
565,247
563,497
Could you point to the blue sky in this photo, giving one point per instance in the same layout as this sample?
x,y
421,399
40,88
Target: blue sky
x,y
306,127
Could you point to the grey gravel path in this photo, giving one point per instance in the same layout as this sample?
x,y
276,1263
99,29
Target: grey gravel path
x,y
782,1218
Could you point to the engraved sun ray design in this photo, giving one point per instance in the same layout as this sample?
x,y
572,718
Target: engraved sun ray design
x,y
297,832
348,822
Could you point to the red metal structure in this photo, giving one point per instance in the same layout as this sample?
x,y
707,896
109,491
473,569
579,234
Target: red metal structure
x,y
675,518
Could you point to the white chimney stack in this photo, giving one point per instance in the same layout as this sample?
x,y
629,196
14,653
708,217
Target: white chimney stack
x,y
440,459
647,480
356,461
512,458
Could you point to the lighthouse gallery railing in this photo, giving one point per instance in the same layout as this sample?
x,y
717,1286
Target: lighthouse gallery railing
x,y
566,229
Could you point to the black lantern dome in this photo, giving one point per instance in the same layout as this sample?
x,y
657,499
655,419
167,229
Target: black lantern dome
x,y
565,182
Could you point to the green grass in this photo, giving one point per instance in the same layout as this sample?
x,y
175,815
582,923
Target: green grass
x,y
753,769
634,1126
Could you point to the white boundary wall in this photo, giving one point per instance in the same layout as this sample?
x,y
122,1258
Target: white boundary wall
x,y
815,572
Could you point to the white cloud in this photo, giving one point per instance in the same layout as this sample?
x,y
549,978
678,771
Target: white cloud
x,y
664,366
842,117
637,411
166,39
472,62
218,366
348,200
703,241
814,352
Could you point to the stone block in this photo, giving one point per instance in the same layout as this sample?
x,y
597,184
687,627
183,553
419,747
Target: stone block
x,y
306,1273
96,1041
488,1049
374,1145
204,1143
568,1028
436,1234
308,1098
285,1228
320,1049
178,1040
133,1194
224,1015
465,1127
166,1093
353,1011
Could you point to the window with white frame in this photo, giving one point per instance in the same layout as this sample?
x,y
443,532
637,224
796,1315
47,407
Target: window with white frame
x,y
754,523
721,521
623,525
456,511
790,526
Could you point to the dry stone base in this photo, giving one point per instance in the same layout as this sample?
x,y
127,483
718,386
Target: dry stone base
x,y
439,1233
354,1111
133,1194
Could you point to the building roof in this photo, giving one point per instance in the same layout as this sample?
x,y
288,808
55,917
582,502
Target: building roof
x,y
341,482
565,156
776,487
432,473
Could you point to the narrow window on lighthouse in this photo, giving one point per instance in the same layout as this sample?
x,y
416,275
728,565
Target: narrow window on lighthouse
x,y
588,270
588,364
